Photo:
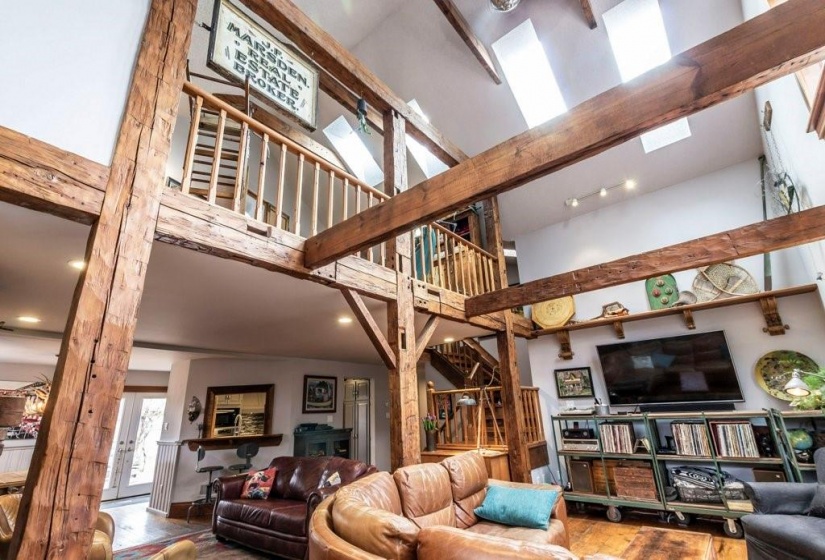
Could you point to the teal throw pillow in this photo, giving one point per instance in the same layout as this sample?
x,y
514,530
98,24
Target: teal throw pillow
x,y
519,507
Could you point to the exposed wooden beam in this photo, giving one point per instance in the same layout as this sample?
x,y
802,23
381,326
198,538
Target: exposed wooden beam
x,y
464,31
485,356
60,502
370,326
351,72
771,45
587,10
43,177
349,100
295,134
817,121
425,335
514,423
755,239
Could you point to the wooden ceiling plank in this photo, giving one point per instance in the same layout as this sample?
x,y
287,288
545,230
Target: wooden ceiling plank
x,y
366,320
297,135
747,241
587,9
456,19
771,45
338,62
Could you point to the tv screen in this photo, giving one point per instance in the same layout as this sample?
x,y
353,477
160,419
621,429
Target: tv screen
x,y
677,369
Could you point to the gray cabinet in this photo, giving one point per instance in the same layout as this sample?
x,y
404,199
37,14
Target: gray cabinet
x,y
321,443
357,416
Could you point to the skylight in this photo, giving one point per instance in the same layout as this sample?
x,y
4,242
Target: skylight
x,y
639,40
428,163
529,75
353,151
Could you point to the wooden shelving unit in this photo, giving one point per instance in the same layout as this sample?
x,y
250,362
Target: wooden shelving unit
x,y
767,300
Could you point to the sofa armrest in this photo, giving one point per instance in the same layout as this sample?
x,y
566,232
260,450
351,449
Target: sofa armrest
x,y
784,498
228,487
449,543
315,498
559,508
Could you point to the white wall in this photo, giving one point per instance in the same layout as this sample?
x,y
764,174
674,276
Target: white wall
x,y
718,201
288,377
66,70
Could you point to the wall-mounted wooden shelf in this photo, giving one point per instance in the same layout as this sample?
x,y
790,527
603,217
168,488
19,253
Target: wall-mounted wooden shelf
x,y
767,300
210,444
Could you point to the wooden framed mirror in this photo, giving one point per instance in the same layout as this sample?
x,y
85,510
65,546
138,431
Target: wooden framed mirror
x,y
238,410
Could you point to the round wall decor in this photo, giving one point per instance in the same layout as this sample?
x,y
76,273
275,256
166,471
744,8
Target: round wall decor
x,y
554,313
774,370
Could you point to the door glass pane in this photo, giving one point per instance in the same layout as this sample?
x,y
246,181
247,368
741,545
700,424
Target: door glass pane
x,y
146,441
111,468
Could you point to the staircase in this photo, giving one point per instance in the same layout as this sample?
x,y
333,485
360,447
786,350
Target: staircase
x,y
456,361
203,165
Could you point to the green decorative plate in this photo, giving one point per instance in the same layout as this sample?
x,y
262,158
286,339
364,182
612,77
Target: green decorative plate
x,y
774,370
662,291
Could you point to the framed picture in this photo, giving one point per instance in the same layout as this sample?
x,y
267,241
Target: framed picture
x,y
574,383
319,393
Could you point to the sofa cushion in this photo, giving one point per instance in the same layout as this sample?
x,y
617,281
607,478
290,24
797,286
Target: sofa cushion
x,y
797,535
448,543
817,507
426,498
520,507
367,514
258,484
305,478
554,534
347,469
468,483
274,514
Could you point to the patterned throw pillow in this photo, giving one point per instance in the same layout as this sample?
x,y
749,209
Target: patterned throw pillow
x,y
259,483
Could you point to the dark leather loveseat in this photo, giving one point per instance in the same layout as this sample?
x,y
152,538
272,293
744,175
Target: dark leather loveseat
x,y
781,528
279,524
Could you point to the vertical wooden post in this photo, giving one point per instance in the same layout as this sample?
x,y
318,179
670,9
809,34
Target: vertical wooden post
x,y
514,421
405,435
62,495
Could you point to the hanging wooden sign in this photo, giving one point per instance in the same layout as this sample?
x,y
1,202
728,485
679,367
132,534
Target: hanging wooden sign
x,y
240,48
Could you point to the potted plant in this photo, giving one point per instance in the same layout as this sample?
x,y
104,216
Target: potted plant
x,y
430,431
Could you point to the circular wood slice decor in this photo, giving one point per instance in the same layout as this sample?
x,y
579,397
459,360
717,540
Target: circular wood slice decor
x,y
554,313
775,369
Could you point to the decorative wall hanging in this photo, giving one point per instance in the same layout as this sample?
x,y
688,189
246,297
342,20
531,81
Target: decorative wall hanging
x,y
319,394
719,281
662,291
194,409
775,369
574,383
554,313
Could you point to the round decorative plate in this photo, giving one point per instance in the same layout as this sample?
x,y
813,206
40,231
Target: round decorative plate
x,y
775,369
554,313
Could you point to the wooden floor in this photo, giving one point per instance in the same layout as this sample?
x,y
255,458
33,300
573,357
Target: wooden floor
x,y
591,533
134,525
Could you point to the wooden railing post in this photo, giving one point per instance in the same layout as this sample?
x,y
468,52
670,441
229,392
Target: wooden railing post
x,y
61,499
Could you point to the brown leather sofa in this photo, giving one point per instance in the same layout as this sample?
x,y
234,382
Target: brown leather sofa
x,y
426,512
279,525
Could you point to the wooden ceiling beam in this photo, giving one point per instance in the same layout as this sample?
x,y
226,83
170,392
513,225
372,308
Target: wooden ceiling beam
x,y
339,63
370,326
771,45
423,339
295,134
587,10
464,31
817,121
747,241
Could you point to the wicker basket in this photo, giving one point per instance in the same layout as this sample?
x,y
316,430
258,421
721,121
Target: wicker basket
x,y
708,495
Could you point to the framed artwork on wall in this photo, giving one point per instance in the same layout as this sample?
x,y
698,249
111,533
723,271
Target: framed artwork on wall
x,y
319,393
574,383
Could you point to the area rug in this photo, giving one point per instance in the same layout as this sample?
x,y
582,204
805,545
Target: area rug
x,y
208,548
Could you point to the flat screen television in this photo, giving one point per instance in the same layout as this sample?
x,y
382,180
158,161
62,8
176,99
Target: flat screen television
x,y
679,369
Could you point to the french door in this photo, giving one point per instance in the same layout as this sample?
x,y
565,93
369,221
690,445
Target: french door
x,y
131,465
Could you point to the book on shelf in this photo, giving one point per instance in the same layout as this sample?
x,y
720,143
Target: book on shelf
x,y
734,438
691,439
617,437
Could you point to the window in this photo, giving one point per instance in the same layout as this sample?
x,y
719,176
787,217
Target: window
x,y
529,75
428,163
639,40
353,151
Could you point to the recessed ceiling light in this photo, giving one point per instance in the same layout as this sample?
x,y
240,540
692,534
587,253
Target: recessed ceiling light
x,y
28,319
77,264
603,192
630,184
449,339
344,320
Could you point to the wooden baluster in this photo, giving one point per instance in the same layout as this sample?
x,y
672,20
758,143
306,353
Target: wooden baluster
x,y
240,185
345,190
330,197
474,265
463,269
191,146
216,161
537,411
482,263
419,268
299,191
450,262
259,201
491,267
369,205
357,199
454,258
448,406
279,195
439,236
313,226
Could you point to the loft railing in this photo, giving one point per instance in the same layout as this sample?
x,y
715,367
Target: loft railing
x,y
481,424
234,161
